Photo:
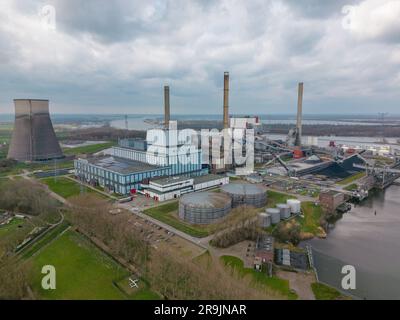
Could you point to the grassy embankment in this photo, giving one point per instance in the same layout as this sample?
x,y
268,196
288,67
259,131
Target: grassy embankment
x,y
312,215
64,187
260,279
324,292
352,178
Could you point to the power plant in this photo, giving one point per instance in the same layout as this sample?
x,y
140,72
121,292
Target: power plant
x,y
33,137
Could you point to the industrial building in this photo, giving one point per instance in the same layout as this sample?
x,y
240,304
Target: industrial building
x,y
246,194
330,200
125,169
133,162
33,137
204,207
168,188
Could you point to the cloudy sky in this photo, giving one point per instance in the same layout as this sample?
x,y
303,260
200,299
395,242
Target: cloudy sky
x,y
102,56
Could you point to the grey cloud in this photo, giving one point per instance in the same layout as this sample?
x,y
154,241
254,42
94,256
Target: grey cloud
x,y
115,56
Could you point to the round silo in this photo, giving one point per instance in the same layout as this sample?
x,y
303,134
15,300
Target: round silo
x,y
284,210
204,207
264,220
246,194
295,205
275,215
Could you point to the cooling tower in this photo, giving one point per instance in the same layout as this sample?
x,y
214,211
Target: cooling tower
x,y
33,137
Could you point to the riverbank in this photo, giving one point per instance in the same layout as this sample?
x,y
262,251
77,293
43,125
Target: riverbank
x,y
369,242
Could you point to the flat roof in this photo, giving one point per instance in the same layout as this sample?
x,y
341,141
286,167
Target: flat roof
x,y
121,165
168,180
207,178
196,180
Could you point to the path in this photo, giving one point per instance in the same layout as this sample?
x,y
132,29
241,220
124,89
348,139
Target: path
x,y
299,282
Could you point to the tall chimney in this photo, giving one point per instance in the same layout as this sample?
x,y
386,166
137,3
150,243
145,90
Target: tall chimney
x,y
299,113
226,100
166,107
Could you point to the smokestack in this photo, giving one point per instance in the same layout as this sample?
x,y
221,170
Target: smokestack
x,y
299,113
166,107
226,100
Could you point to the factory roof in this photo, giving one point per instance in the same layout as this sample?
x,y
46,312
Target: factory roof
x,y
121,165
207,178
170,180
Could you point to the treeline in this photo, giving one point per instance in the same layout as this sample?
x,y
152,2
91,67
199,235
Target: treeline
x,y
288,232
101,133
24,196
92,216
240,225
176,277
14,278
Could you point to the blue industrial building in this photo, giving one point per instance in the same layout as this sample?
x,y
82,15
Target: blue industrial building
x,y
125,168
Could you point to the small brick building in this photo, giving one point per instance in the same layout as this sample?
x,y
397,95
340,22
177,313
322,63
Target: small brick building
x,y
330,200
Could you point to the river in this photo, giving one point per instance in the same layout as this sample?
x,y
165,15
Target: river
x,y
369,242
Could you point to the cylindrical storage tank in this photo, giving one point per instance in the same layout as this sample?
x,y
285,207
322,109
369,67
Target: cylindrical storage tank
x,y
275,215
246,194
264,220
284,210
204,207
295,205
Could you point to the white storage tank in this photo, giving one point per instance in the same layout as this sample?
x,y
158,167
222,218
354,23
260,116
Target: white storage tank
x,y
295,205
284,210
275,215
264,220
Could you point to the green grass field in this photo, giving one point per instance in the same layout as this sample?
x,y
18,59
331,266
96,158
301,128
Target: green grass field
x,y
352,178
273,283
88,149
65,187
82,270
312,215
11,227
167,213
323,292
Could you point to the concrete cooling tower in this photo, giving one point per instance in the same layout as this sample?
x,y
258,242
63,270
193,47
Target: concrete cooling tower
x,y
33,137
